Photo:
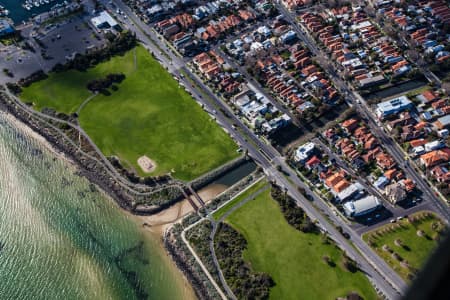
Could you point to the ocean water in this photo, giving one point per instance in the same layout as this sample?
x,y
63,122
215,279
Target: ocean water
x,y
18,14
60,238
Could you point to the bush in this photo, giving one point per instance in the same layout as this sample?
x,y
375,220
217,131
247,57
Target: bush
x,y
398,242
349,264
354,296
328,261
325,239
293,214
101,85
36,76
118,45
14,88
245,283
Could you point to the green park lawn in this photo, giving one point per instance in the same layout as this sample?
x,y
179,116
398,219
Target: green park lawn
x,y
148,115
413,248
257,186
65,91
293,259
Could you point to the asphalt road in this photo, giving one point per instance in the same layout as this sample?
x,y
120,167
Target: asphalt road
x,y
355,100
383,277
431,77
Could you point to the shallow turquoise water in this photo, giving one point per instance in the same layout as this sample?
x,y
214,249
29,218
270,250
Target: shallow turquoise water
x,y
63,239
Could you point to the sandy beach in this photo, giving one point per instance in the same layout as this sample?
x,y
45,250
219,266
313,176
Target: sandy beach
x,y
159,222
23,135
155,225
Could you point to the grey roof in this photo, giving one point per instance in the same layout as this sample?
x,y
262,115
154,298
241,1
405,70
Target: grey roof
x,y
394,104
104,18
350,191
362,205
445,120
371,80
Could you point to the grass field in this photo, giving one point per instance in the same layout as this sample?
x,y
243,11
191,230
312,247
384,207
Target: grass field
x,y
149,115
292,258
66,91
413,249
218,214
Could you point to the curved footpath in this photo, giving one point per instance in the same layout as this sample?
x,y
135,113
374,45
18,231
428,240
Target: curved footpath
x,y
124,183
214,231
381,275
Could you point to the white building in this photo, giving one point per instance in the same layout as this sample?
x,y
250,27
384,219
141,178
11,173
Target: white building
x,y
304,152
350,191
434,145
362,206
443,133
104,20
393,106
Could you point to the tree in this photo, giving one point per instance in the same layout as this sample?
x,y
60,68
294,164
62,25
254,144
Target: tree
x,y
307,226
325,239
328,261
349,264
354,296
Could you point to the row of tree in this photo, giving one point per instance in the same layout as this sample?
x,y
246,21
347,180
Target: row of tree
x,y
99,85
16,88
36,76
118,45
293,214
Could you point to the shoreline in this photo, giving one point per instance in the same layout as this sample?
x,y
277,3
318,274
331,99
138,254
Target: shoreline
x,y
132,194
35,135
156,236
169,208
57,147
90,165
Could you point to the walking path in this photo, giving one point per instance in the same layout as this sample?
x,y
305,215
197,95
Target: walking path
x,y
214,231
199,261
84,103
110,169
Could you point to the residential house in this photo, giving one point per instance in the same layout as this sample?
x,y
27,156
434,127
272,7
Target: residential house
x,y
441,174
435,157
350,125
385,161
395,193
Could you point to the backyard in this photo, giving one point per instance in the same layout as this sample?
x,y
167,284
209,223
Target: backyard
x,y
406,245
149,114
295,260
